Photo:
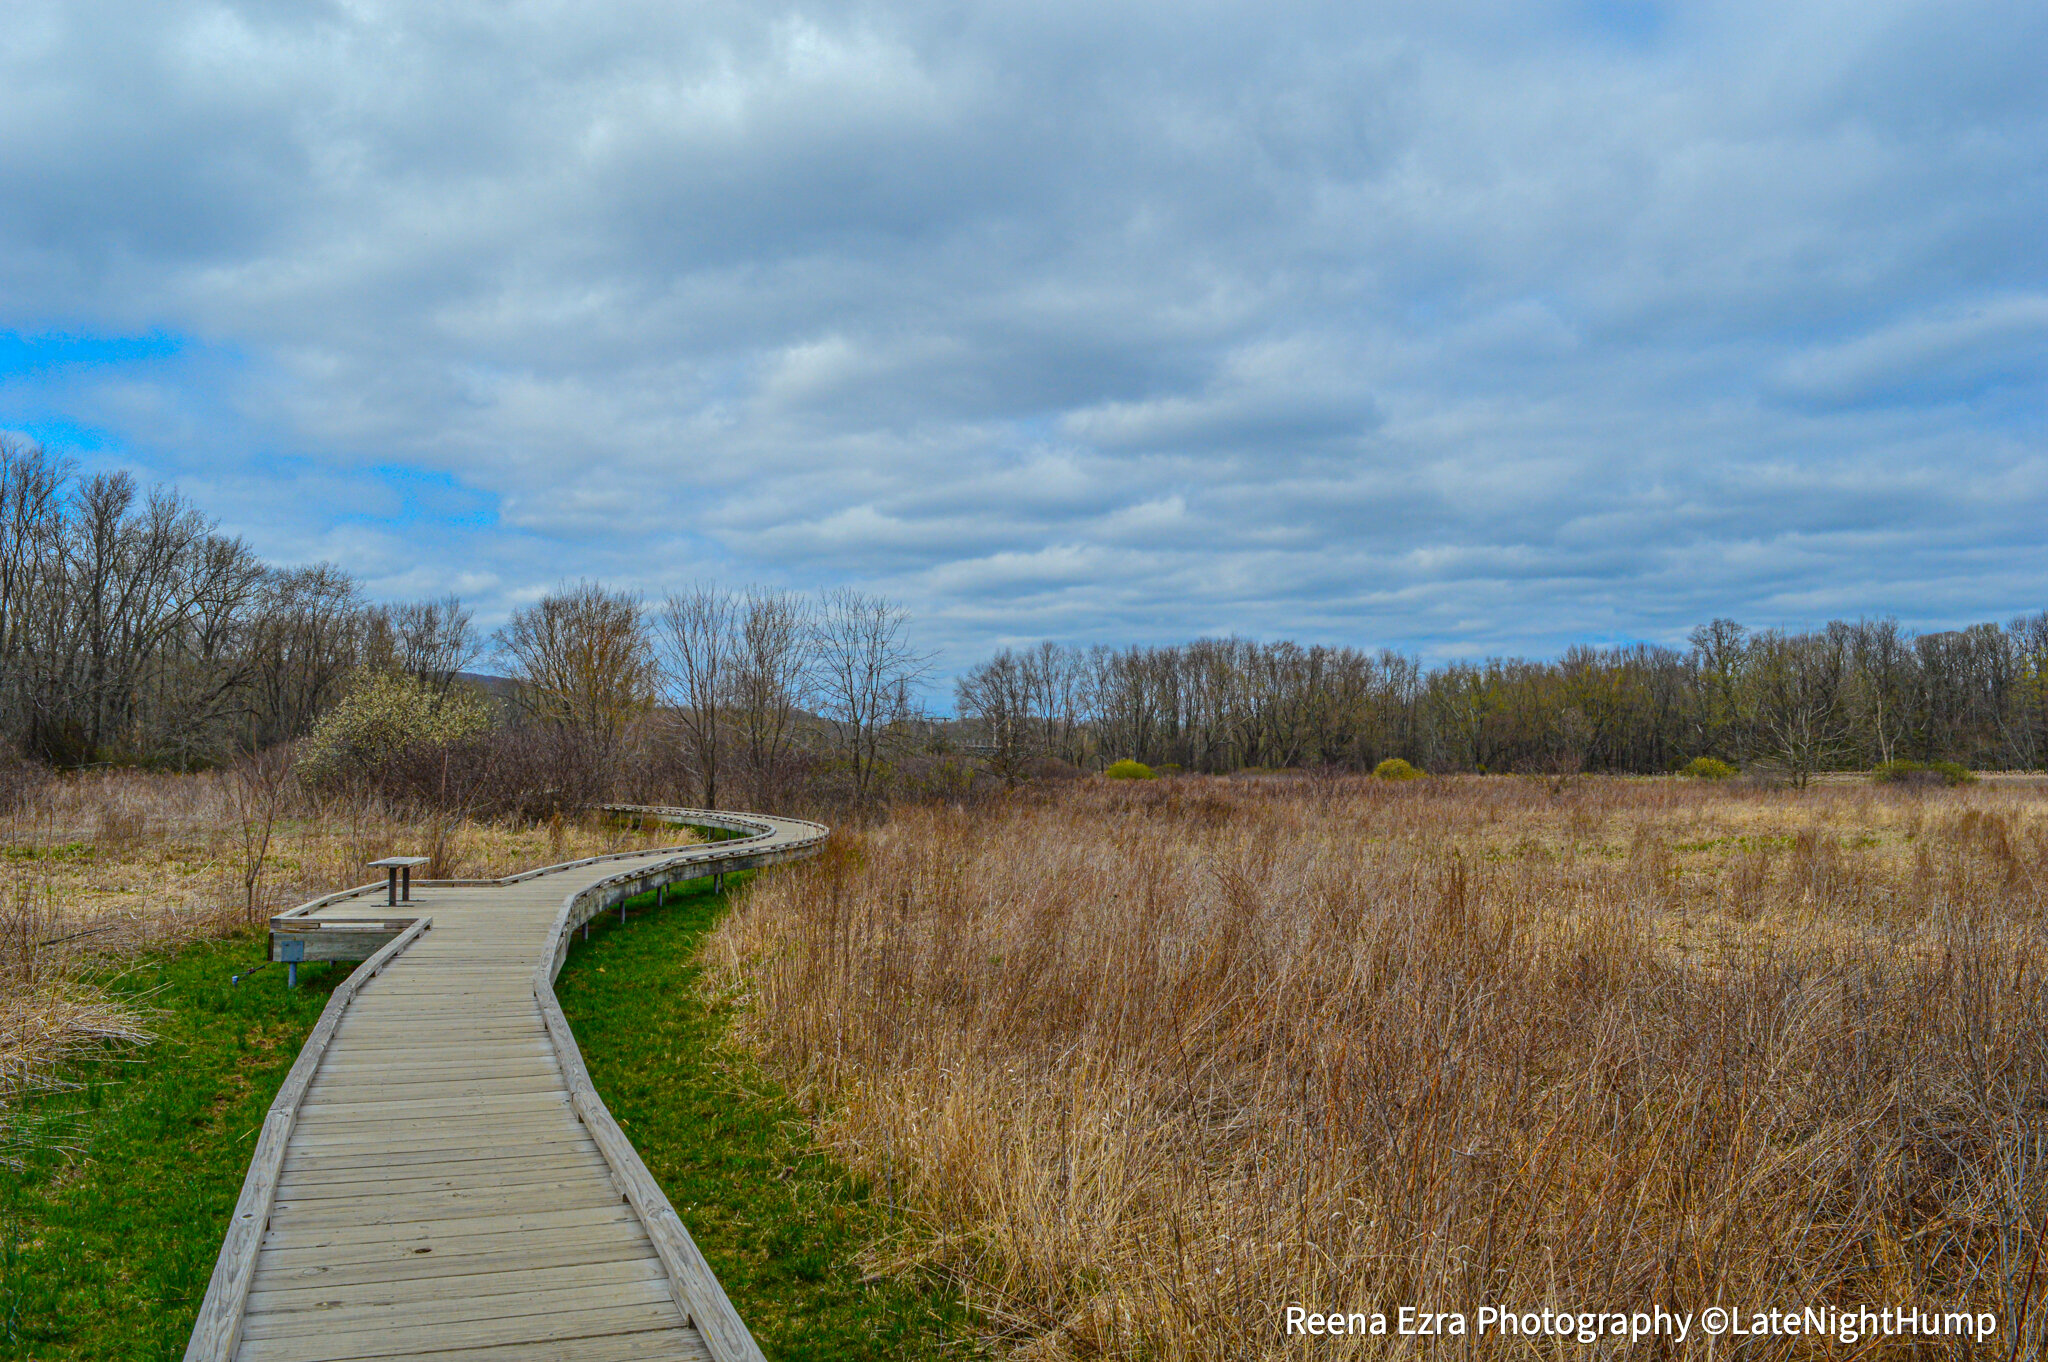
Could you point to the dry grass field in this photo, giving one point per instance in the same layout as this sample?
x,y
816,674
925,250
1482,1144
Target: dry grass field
x,y
97,866
1144,1064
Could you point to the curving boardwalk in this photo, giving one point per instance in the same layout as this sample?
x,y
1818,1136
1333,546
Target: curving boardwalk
x,y
437,1178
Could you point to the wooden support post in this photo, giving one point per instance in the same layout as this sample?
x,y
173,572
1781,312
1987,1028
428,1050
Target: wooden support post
x,y
398,877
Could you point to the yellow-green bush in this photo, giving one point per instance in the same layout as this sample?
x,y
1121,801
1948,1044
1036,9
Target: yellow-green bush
x,y
386,714
1394,768
1904,772
1128,770
1707,768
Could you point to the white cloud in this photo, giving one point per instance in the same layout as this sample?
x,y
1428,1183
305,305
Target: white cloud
x,y
1467,327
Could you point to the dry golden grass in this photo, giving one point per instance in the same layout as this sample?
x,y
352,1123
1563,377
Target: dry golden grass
x,y
1145,1064
100,865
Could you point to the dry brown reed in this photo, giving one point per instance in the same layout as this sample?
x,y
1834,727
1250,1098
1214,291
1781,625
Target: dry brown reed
x,y
1143,1065
46,1016
99,865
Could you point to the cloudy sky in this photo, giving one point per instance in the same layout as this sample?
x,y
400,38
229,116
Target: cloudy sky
x,y
1462,327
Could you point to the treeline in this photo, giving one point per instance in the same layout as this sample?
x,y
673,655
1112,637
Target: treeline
x,y
768,698
1849,696
133,631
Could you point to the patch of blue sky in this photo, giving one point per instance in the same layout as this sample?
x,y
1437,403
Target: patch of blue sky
x,y
61,436
431,496
41,352
1637,22
1035,431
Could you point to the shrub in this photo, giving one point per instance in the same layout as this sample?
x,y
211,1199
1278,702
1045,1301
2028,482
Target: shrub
x,y
1394,768
383,718
1904,772
1707,768
1051,768
1129,770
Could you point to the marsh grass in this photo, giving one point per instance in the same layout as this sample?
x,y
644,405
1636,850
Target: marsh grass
x,y
125,1162
1146,1063
782,1225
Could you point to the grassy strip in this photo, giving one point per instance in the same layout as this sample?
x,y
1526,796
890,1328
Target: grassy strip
x,y
110,1226
781,1224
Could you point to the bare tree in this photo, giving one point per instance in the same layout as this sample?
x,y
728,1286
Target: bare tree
x,y
1060,678
698,642
1000,695
31,584
582,659
1801,701
2028,723
256,788
128,573
201,679
1882,674
129,629
1722,718
768,676
1030,706
434,641
304,641
865,670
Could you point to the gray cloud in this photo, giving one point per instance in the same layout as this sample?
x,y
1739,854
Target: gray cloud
x,y
1467,327
1928,358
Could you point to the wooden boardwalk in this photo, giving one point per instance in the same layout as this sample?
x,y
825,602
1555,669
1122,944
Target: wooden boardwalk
x,y
437,1178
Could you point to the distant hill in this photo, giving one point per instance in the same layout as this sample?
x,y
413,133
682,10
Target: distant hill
x,y
497,687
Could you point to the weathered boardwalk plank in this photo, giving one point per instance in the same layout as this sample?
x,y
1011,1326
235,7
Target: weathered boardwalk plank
x,y
439,1180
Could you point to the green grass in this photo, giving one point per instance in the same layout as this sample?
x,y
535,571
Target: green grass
x,y
76,853
781,1224
1751,842
109,1228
